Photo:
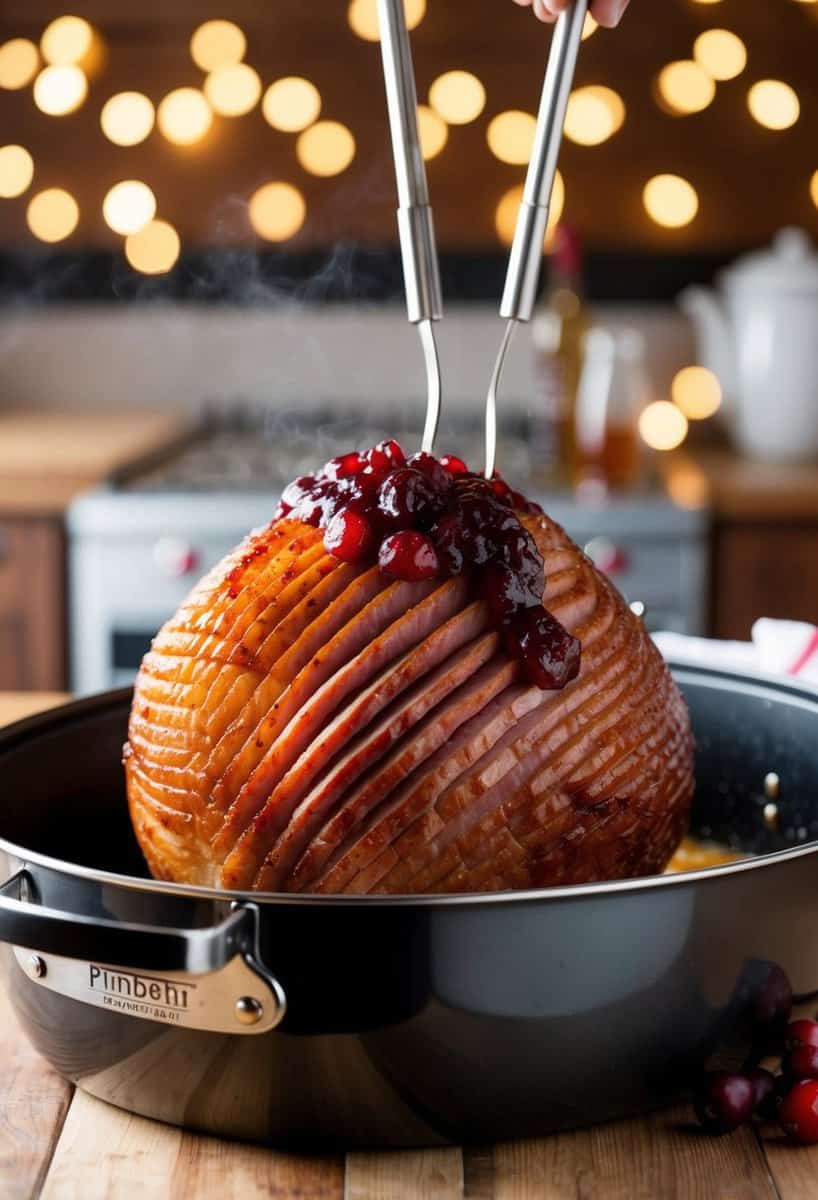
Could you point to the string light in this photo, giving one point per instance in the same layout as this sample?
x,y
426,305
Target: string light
x,y
60,90
670,201
66,40
697,392
127,118
721,53
154,249
505,217
362,16
19,63
52,215
291,104
326,148
458,97
662,426
685,87
217,44
233,90
129,206
16,171
594,114
511,136
774,104
433,132
184,116
277,211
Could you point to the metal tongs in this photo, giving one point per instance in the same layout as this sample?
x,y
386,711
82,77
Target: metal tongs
x,y
421,271
525,259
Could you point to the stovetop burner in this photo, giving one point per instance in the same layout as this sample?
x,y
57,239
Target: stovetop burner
x,y
266,453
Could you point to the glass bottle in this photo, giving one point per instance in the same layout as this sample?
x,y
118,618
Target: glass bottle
x,y
613,389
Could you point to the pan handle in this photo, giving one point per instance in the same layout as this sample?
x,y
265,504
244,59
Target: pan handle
x,y
121,943
199,978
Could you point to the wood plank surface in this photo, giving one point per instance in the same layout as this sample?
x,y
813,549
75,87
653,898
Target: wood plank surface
x,y
405,1175
794,1168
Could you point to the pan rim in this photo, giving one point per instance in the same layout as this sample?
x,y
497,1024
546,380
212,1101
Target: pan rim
x,y
797,693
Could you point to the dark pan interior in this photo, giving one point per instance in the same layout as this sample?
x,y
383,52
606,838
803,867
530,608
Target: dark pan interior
x,y
62,793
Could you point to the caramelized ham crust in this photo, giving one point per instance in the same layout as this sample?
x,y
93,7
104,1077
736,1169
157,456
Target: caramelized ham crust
x,y
306,725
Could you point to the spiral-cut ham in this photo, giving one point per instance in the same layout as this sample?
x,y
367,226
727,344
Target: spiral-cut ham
x,y
306,725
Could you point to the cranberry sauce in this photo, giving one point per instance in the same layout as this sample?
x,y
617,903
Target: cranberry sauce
x,y
429,518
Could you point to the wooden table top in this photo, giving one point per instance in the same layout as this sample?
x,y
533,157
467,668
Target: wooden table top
x,y
59,1144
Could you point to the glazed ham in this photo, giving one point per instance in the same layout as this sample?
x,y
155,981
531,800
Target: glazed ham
x,y
305,724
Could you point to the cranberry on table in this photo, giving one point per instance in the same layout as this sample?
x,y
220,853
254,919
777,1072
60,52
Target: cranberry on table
x,y
801,1033
724,1101
348,536
801,1063
764,1083
409,555
799,1113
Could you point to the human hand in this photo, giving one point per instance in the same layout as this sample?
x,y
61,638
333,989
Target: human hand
x,y
604,12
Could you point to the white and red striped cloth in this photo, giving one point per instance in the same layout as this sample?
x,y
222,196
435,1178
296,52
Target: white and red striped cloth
x,y
777,648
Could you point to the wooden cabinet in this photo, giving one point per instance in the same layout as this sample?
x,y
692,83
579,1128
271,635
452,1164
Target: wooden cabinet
x,y
32,604
763,569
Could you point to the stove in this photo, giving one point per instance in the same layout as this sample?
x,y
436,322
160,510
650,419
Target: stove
x,y
138,542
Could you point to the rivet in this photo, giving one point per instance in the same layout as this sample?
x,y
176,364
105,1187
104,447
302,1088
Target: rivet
x,y
771,815
248,1011
638,608
772,786
35,966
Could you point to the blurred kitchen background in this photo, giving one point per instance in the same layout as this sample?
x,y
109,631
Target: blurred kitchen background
x,y
200,296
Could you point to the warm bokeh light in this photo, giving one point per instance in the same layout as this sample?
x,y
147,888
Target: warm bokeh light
x,y
52,215
363,17
505,217
720,53
774,104
670,201
326,148
19,63
291,104
697,392
233,90
458,97
684,87
129,206
813,188
277,211
433,131
662,426
16,171
589,26
60,90
127,118
687,485
511,136
594,114
153,250
66,40
184,116
217,44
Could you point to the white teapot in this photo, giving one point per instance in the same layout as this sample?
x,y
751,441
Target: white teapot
x,y
760,337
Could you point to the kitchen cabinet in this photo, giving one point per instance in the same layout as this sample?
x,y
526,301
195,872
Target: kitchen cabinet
x,y
763,569
32,604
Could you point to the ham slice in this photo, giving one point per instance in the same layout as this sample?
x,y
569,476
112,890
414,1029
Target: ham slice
x,y
305,725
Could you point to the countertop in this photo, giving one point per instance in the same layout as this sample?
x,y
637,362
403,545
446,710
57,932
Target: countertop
x,y
59,1144
47,456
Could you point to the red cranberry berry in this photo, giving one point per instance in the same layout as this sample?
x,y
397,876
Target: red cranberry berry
x,y
764,1083
504,591
801,1063
406,500
799,1113
453,464
502,491
549,654
385,456
344,466
770,1106
348,535
801,1033
724,1101
409,555
437,475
